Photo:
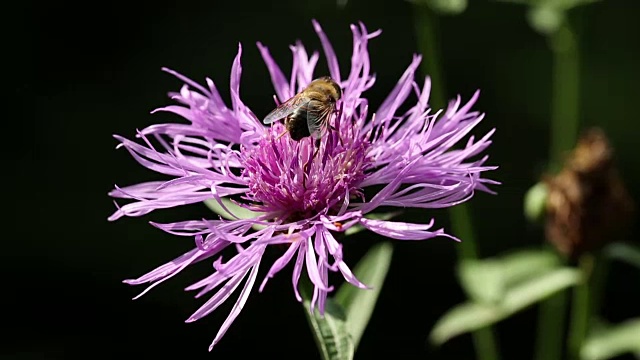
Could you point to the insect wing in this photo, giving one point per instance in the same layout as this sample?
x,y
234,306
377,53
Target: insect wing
x,y
317,117
286,108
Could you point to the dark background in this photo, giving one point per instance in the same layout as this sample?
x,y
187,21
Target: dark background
x,y
80,72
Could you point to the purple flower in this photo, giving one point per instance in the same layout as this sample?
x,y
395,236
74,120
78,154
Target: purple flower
x,y
301,200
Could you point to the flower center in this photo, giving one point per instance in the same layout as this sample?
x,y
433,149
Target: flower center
x,y
298,179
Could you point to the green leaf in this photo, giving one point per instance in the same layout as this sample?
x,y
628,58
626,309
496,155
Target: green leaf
x,y
472,316
359,303
446,7
522,265
482,280
487,280
534,290
238,211
624,252
546,19
547,16
329,331
535,202
523,2
558,4
612,341
463,318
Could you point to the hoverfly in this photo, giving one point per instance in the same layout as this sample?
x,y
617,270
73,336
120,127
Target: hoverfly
x,y
307,113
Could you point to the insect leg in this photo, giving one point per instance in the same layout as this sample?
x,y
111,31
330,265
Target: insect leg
x,y
317,148
281,135
286,120
338,117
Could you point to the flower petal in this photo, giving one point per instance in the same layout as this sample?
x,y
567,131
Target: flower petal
x,y
332,60
402,230
237,307
170,269
312,267
280,85
220,297
280,263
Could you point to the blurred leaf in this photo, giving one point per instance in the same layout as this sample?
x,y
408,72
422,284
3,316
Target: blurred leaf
x,y
472,316
446,7
463,318
624,252
523,2
329,330
547,16
612,341
482,280
359,303
354,229
487,280
374,216
238,211
540,288
559,4
535,202
545,19
522,265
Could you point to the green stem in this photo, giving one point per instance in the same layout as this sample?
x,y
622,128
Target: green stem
x,y
551,327
462,227
461,222
565,95
426,25
580,309
598,282
564,132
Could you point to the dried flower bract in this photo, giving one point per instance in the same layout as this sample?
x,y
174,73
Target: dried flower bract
x,y
587,204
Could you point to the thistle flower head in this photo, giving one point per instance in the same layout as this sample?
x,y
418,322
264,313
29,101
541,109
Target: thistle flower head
x,y
298,181
302,195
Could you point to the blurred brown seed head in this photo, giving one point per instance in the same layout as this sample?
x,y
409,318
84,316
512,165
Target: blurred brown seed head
x,y
587,205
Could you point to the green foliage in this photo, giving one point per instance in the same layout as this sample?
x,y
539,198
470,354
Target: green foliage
x,y
545,19
330,331
547,16
359,303
611,341
625,253
501,287
346,316
488,280
559,4
447,7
